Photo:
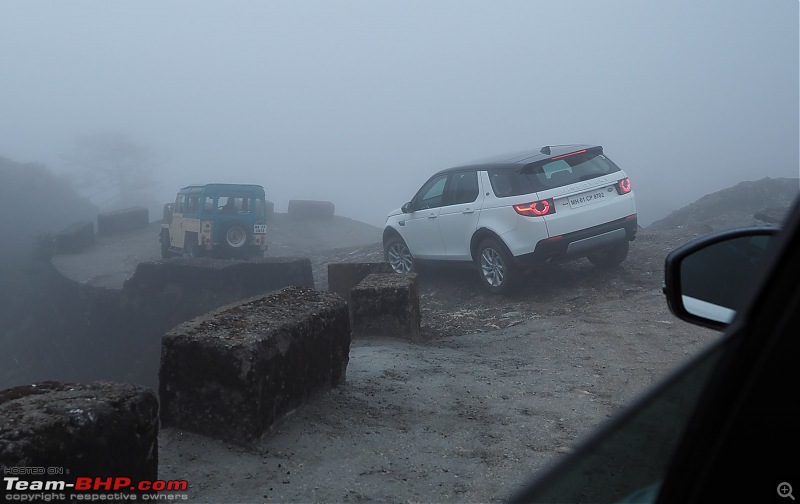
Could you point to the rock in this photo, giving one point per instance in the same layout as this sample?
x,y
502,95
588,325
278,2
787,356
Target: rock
x,y
774,215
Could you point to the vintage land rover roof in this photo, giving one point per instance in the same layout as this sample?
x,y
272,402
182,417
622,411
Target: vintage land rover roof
x,y
221,188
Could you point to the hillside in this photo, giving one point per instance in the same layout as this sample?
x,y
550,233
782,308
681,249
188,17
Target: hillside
x,y
734,206
33,203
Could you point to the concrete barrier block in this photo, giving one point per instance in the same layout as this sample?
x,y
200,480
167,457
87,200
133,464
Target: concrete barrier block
x,y
386,304
75,238
342,277
226,280
234,372
98,430
122,221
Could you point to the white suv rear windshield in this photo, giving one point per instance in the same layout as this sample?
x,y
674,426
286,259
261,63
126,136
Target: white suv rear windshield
x,y
550,173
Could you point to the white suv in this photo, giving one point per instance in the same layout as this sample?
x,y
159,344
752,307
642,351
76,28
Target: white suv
x,y
513,212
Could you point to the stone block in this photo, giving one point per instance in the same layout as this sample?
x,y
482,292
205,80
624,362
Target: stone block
x,y
386,304
122,221
217,280
233,373
269,210
103,430
75,238
342,277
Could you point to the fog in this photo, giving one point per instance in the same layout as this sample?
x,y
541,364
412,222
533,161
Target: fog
x,y
358,102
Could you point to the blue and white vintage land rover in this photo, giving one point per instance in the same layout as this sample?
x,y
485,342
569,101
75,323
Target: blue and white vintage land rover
x,y
222,220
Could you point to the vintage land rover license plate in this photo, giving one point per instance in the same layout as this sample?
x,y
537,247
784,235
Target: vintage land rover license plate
x,y
259,228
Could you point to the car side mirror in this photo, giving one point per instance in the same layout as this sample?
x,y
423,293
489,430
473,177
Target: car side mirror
x,y
707,280
406,208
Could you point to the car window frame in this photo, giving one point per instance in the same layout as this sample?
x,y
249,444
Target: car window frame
x,y
761,333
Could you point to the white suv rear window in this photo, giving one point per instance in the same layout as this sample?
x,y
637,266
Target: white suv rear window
x,y
550,173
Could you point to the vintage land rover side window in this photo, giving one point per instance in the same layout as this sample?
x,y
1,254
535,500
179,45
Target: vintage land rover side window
x,y
207,204
260,207
227,205
193,204
241,205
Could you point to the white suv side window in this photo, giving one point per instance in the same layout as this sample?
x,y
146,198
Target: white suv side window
x,y
432,193
463,188
501,185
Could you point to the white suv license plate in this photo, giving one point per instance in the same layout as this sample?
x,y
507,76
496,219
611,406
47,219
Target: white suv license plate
x,y
259,228
589,198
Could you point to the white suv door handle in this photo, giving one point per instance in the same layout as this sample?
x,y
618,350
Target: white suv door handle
x,y
468,210
432,215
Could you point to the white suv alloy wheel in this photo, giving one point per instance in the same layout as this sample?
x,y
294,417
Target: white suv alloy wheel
x,y
492,267
398,256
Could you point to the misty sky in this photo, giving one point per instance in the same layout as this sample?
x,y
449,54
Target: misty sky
x,y
358,102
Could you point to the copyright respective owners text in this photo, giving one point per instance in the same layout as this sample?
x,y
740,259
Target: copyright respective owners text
x,y
53,484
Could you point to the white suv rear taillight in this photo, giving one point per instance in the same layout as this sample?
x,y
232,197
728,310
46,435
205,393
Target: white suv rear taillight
x,y
537,208
623,186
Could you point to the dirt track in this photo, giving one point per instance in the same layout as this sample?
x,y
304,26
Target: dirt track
x,y
464,418
504,386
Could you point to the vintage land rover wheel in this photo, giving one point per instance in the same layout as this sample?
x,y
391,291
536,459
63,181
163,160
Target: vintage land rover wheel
x,y
235,238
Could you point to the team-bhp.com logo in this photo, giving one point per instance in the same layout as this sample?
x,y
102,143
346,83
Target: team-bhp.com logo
x,y
92,488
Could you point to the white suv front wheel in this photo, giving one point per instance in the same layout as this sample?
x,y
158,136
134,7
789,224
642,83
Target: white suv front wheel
x,y
398,255
496,267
